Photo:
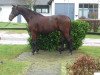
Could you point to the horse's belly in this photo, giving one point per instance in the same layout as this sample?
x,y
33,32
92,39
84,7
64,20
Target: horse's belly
x,y
46,30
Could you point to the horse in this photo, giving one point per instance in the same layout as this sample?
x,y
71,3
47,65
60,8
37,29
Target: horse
x,y
39,24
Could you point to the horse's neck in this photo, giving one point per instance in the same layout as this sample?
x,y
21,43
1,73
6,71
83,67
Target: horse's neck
x,y
26,14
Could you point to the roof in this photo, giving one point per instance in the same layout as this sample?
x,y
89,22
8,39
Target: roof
x,y
14,2
23,2
42,2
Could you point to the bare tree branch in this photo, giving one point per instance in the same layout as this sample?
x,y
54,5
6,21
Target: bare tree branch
x,y
31,3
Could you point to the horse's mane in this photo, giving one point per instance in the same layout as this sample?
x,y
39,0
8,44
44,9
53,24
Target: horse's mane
x,y
30,11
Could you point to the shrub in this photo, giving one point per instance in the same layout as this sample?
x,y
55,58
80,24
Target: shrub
x,y
82,17
94,24
52,40
78,31
84,65
47,42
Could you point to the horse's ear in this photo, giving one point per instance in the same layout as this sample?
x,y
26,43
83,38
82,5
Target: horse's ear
x,y
17,6
13,5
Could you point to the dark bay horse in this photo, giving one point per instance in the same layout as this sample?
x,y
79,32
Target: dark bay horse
x,y
39,24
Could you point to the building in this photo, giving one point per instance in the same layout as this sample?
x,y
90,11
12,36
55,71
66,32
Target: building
x,y
73,8
77,8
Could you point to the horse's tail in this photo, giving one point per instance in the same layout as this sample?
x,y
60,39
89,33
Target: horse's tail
x,y
69,26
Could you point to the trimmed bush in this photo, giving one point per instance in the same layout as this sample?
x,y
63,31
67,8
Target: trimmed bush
x,y
84,65
78,31
47,42
52,40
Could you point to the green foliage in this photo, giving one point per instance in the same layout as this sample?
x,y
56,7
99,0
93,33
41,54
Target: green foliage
x,y
94,25
47,42
78,31
52,41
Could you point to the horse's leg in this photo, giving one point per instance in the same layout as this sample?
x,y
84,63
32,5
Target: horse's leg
x,y
62,45
68,41
34,45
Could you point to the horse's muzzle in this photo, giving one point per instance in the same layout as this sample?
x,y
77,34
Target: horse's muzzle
x,y
11,17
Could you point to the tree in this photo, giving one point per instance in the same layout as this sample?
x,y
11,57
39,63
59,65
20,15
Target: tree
x,y
31,3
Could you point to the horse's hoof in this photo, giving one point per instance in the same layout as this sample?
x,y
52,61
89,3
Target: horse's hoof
x,y
60,52
32,53
71,53
37,52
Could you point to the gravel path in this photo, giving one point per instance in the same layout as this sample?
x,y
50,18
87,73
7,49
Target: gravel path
x,y
47,63
6,38
42,64
91,42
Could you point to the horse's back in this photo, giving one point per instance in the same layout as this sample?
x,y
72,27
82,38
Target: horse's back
x,y
61,17
63,23
59,21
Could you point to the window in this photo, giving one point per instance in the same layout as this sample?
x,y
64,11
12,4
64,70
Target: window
x,y
42,8
38,10
88,11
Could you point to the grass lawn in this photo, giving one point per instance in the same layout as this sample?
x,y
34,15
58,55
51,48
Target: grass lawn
x,y
12,67
12,51
14,31
93,51
93,36
12,25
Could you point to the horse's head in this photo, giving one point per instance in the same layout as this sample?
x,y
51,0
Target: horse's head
x,y
14,12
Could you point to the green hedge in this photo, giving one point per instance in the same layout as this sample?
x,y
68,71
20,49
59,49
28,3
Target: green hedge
x,y
78,31
47,42
52,40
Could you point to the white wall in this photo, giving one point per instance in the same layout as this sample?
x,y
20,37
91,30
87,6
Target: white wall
x,y
75,1
4,14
